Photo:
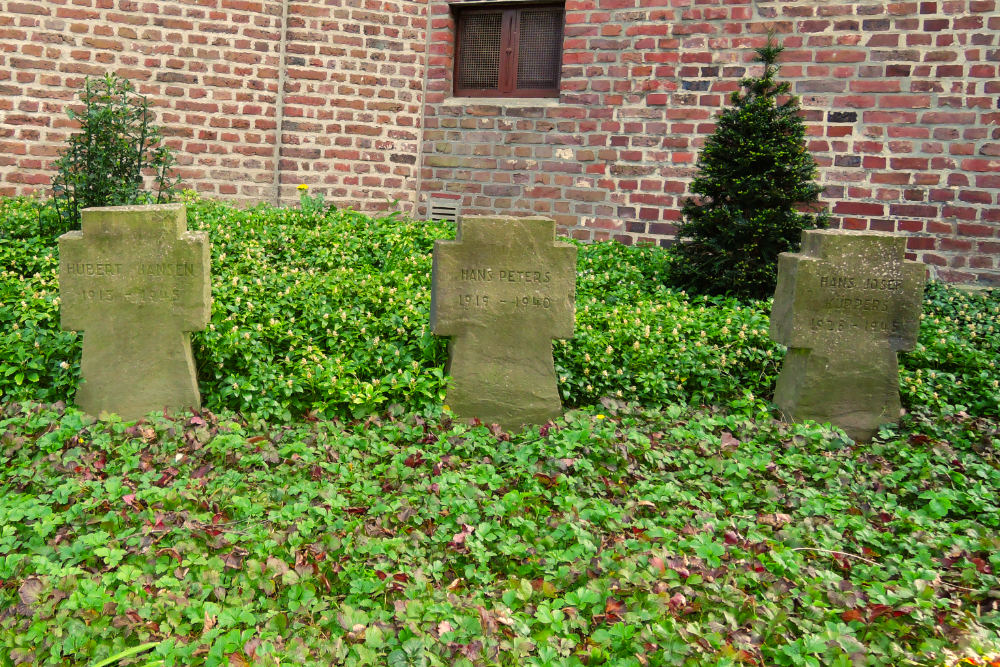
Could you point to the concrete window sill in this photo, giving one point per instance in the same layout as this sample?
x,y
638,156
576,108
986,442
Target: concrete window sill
x,y
502,101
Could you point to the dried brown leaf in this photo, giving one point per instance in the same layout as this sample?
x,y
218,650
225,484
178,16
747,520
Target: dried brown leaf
x,y
30,590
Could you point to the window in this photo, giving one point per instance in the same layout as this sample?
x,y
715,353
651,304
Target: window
x,y
508,51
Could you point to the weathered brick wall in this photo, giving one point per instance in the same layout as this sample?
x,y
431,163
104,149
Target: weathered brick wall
x,y
900,101
211,69
353,100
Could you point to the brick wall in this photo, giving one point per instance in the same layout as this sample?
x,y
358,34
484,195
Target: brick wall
x,y
353,100
900,101
211,69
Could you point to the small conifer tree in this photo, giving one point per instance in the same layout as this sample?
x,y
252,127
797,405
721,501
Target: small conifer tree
x,y
755,174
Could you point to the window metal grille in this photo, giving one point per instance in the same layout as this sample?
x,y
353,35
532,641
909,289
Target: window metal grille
x,y
512,51
540,50
479,44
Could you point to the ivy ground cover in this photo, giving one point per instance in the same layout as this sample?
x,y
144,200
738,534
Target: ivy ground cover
x,y
325,508
616,536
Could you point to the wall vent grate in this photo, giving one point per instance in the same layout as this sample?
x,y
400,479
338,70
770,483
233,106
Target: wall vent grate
x,y
442,211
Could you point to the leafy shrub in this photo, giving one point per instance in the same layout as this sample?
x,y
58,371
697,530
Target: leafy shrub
x,y
38,360
956,363
637,340
105,162
328,311
317,310
754,174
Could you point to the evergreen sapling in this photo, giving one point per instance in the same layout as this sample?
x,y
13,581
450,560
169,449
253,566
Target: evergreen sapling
x,y
755,175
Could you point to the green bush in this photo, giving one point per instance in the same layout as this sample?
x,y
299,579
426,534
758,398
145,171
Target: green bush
x,y
104,164
327,312
38,361
955,365
315,310
688,535
754,175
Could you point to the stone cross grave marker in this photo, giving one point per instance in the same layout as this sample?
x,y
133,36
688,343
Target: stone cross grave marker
x,y
844,306
503,290
135,281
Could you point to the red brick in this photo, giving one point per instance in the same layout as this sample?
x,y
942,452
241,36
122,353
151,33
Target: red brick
x,y
921,243
975,164
352,123
37,8
858,208
841,56
905,101
913,210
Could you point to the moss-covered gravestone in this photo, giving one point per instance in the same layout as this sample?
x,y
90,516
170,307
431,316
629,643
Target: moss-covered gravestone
x,y
135,281
503,290
844,306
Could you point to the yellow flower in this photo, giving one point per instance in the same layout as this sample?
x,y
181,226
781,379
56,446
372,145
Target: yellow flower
x,y
303,187
599,417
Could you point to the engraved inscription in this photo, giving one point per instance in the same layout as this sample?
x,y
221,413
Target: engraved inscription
x,y
93,269
183,269
504,295
97,294
887,284
871,326
118,269
853,303
852,306
533,301
473,300
153,295
508,275
151,272
849,283
522,302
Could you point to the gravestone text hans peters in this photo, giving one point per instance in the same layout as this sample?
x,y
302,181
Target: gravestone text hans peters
x,y
503,290
135,281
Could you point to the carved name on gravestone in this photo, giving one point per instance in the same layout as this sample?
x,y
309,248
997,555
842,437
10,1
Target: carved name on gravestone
x,y
844,306
135,281
503,290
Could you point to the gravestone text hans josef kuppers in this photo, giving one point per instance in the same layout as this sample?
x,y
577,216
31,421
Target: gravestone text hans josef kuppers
x,y
844,306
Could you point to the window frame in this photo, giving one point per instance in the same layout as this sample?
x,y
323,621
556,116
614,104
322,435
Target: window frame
x,y
509,42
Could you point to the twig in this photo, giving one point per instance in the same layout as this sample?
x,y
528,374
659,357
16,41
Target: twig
x,y
841,553
835,553
959,588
